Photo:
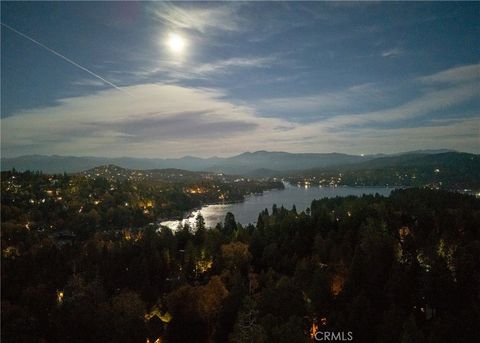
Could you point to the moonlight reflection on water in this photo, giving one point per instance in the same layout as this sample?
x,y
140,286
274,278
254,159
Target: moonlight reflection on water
x,y
246,212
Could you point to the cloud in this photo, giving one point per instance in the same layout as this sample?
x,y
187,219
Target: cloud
x,y
236,62
160,120
327,104
194,124
435,108
353,106
393,52
173,71
163,120
458,86
201,19
427,103
461,135
88,83
461,74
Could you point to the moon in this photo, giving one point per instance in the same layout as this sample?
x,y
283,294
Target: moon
x,y
176,43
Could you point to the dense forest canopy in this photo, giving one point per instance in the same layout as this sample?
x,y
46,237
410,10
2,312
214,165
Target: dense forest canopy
x,y
401,269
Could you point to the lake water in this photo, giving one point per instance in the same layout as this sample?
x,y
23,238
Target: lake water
x,y
247,211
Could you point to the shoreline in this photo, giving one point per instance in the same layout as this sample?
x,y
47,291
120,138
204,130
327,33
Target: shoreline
x,y
189,214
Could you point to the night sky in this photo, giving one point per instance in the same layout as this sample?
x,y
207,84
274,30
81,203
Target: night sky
x,y
150,79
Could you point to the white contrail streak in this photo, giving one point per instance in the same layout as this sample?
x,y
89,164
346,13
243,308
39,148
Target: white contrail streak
x,y
64,58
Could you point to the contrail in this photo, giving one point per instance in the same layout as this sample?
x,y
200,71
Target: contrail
x,y
64,58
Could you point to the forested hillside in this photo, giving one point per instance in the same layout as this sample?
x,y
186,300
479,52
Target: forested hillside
x,y
399,269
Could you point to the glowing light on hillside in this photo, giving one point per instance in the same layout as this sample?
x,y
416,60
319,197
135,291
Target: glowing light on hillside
x,y
60,295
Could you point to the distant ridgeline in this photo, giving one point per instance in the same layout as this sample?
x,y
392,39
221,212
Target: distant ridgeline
x,y
452,170
435,169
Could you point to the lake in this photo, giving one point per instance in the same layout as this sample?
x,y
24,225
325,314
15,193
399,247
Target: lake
x,y
246,212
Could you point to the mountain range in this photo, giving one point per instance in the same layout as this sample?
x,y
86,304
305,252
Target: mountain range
x,y
259,163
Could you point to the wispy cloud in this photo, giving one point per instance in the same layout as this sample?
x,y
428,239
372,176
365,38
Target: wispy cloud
x,y
88,83
426,103
446,89
201,19
394,52
174,71
461,74
327,104
236,62
462,135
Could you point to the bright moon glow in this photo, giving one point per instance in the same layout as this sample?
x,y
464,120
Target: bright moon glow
x,y
176,43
